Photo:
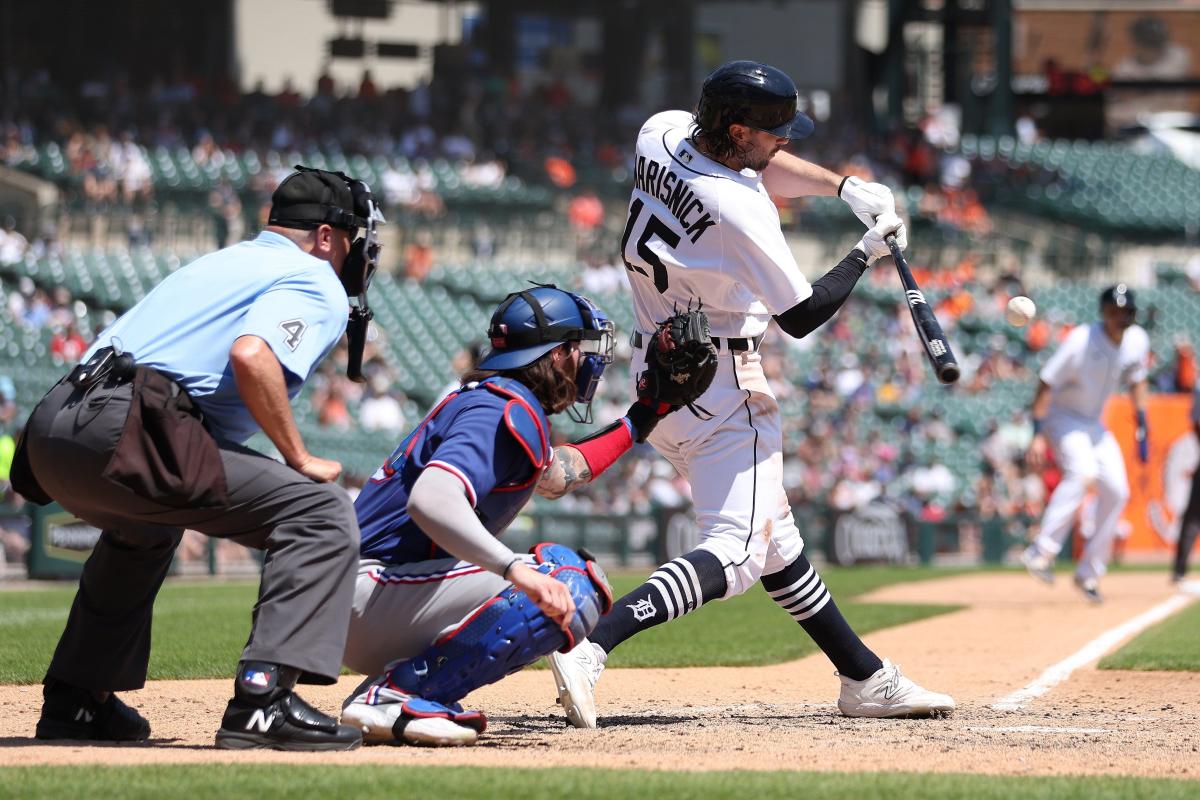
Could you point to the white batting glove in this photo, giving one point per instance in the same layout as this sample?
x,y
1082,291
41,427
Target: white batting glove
x,y
868,201
873,243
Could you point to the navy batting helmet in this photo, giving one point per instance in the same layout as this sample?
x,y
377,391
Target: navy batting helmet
x,y
752,94
531,323
1120,296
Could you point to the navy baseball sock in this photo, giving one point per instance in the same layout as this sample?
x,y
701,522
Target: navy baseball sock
x,y
676,588
799,590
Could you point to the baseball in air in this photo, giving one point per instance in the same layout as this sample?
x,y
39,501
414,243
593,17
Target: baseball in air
x,y
1020,311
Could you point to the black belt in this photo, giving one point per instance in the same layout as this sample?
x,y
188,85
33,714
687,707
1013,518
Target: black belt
x,y
733,344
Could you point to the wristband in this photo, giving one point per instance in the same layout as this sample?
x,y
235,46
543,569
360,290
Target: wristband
x,y
840,185
1037,426
511,564
603,448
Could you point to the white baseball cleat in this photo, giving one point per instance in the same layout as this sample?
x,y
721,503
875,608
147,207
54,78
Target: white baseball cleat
x,y
1090,588
378,726
887,693
575,675
1038,565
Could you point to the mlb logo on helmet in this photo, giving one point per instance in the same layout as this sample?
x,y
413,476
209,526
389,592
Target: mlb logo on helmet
x,y
500,336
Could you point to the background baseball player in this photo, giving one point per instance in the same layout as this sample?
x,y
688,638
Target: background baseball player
x,y
442,606
1092,362
702,228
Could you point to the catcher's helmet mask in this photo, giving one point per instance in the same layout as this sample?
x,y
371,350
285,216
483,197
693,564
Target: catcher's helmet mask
x,y
752,94
532,322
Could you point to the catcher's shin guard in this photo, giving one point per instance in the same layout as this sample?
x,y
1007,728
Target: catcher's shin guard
x,y
507,632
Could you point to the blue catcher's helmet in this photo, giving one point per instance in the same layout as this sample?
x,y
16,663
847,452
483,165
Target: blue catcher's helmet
x,y
531,323
753,94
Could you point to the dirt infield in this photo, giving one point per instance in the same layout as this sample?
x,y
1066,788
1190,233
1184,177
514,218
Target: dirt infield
x,y
781,717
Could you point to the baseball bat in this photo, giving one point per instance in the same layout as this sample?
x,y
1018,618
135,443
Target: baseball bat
x,y
941,357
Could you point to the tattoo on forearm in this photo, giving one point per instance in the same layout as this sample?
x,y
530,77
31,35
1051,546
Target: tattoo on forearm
x,y
569,472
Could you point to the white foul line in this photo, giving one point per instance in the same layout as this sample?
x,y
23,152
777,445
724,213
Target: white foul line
x,y
1038,729
1090,652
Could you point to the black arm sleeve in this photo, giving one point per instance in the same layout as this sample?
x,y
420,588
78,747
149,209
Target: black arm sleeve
x,y
829,292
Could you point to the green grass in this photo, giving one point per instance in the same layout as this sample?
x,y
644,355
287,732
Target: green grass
x,y
200,628
198,782
750,629
1172,644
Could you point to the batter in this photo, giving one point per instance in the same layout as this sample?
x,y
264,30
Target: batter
x,y
702,229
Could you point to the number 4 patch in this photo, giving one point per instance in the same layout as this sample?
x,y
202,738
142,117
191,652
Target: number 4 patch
x,y
295,329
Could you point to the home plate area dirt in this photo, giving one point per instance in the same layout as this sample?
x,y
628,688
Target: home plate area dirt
x,y
780,717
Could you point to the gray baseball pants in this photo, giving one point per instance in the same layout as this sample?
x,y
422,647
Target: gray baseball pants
x,y
307,531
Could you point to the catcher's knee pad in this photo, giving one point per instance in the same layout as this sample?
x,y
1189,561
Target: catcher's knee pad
x,y
507,632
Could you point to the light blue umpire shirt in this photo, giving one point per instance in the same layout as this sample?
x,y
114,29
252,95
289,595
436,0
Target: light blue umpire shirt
x,y
267,287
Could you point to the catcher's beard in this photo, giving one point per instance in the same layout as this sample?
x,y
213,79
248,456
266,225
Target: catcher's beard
x,y
553,387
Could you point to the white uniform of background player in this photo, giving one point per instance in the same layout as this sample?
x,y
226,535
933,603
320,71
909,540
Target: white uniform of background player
x,y
702,229
1093,362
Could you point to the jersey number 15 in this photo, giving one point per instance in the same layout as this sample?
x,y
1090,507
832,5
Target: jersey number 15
x,y
654,227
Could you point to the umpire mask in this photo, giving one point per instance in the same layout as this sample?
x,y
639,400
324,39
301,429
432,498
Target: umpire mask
x,y
363,258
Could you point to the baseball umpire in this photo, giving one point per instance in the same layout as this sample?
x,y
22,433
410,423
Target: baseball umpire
x,y
702,229
142,439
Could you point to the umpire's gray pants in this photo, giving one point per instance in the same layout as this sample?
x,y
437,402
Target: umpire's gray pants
x,y
307,529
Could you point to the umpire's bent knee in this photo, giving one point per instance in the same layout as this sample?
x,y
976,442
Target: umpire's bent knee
x,y
334,517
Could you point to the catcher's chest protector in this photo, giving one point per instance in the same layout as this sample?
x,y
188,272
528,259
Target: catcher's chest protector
x,y
524,421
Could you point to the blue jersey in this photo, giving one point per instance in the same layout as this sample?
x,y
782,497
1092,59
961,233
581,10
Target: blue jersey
x,y
267,287
493,436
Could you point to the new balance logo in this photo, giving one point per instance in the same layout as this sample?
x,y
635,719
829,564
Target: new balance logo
x,y
261,719
937,347
643,609
914,297
83,715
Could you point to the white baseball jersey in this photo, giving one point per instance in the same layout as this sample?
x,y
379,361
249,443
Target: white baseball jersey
x,y
698,230
1088,367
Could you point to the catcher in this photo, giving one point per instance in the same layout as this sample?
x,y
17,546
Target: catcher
x,y
441,605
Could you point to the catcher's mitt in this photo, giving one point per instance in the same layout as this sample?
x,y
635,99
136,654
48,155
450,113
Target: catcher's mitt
x,y
680,362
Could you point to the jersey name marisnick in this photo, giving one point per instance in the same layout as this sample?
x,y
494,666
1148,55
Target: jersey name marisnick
x,y
660,182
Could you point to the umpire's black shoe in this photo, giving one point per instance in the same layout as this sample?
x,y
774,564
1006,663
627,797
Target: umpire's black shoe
x,y
72,713
287,723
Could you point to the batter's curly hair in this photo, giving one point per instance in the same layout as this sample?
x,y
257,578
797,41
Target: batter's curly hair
x,y
553,388
717,143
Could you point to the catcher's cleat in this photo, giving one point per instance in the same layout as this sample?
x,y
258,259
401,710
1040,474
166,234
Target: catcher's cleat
x,y
72,713
888,694
1038,565
394,723
575,676
287,723
1090,588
